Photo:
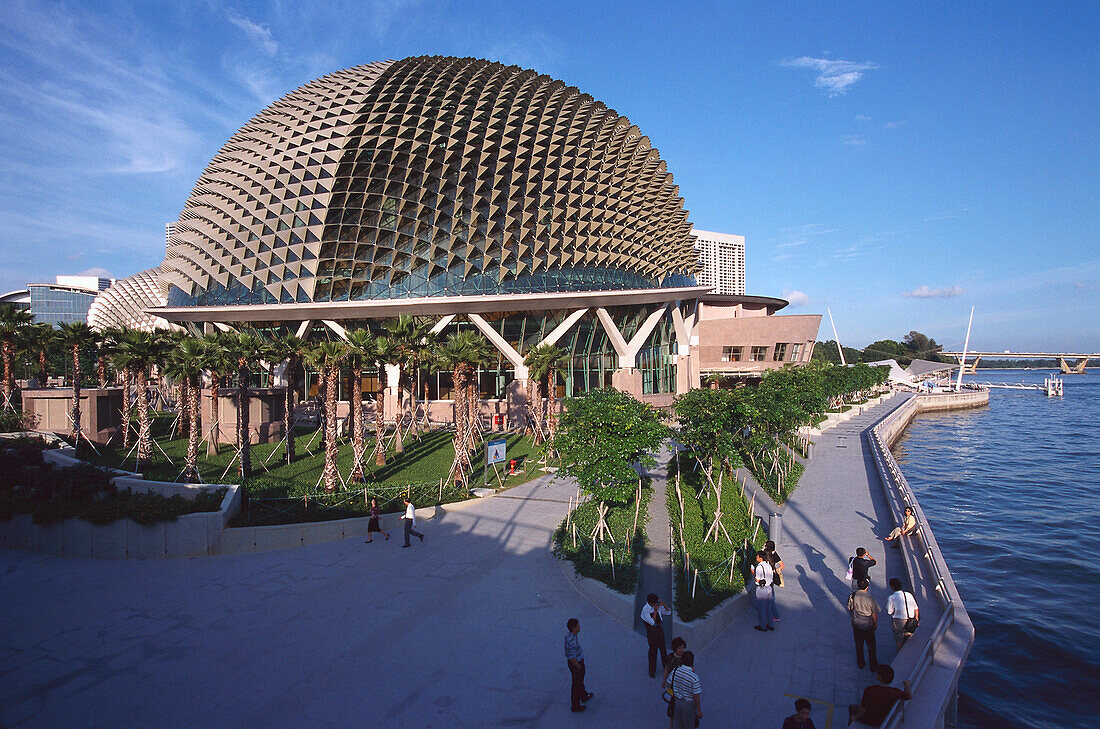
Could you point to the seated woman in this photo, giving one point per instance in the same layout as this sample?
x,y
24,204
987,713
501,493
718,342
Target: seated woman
x,y
908,526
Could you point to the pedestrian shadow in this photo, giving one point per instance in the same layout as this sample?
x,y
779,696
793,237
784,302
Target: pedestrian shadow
x,y
873,521
839,588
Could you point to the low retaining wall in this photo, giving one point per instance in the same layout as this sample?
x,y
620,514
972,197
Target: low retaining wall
x,y
190,535
618,606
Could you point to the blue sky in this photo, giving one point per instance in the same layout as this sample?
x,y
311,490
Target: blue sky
x,y
895,164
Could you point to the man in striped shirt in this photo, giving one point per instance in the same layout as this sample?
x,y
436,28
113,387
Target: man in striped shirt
x,y
685,687
574,656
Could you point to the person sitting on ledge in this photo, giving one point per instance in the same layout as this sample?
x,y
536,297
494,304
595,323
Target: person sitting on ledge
x,y
877,700
908,526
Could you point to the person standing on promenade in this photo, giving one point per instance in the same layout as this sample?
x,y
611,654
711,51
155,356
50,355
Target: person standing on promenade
x,y
864,612
574,657
901,606
675,660
800,719
861,566
908,526
375,524
686,689
877,700
410,522
652,612
776,563
764,594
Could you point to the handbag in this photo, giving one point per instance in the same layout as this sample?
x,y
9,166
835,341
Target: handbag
x,y
911,623
777,578
848,574
669,696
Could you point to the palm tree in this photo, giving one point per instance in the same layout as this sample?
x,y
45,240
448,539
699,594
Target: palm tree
x,y
409,337
382,354
326,357
77,336
186,363
244,350
288,350
361,346
461,353
552,359
12,320
218,363
39,342
138,351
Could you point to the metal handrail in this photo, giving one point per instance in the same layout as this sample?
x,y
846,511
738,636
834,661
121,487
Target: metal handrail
x,y
943,585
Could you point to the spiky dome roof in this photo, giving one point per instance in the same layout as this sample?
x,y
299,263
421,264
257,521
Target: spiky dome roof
x,y
122,304
424,177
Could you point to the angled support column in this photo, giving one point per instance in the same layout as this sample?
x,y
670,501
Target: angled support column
x,y
303,329
442,324
560,330
501,345
628,351
225,327
339,330
618,342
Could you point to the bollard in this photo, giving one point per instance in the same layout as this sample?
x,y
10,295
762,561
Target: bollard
x,y
810,451
775,529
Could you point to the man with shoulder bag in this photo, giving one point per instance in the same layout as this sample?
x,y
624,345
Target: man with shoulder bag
x,y
903,611
685,705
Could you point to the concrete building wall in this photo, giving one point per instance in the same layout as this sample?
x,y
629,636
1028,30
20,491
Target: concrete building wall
x,y
100,410
747,344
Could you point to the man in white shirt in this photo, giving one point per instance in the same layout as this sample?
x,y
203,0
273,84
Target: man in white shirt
x,y
652,613
765,593
410,522
685,687
901,606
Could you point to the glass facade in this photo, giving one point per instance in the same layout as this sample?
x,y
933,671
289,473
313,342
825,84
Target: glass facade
x,y
52,304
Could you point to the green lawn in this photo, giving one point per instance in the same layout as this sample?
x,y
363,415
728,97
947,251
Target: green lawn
x,y
280,493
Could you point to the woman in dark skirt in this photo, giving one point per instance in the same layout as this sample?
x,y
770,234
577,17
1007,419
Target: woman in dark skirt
x,y
373,525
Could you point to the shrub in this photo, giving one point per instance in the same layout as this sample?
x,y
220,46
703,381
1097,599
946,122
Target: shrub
x,y
627,546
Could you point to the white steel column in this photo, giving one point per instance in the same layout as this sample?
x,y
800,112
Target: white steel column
x,y
501,345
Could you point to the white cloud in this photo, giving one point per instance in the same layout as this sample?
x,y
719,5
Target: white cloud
x,y
259,34
96,271
832,75
797,298
924,292
862,118
854,140
894,124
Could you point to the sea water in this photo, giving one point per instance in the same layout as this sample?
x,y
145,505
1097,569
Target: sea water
x,y
1012,492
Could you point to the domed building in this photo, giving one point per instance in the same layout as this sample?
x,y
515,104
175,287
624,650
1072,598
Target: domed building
x,y
462,191
124,303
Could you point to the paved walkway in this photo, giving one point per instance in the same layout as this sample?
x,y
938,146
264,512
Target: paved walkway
x,y
462,630
655,570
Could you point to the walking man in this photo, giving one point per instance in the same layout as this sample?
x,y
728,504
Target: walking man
x,y
652,613
764,595
864,613
410,522
686,690
901,606
861,567
574,656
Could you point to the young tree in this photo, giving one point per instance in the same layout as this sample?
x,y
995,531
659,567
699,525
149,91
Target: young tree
x,y
244,350
186,363
361,350
462,353
12,320
289,351
77,336
326,358
381,353
708,423
543,363
600,438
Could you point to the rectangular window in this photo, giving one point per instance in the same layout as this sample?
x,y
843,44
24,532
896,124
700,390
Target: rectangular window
x,y
780,351
796,351
759,354
732,354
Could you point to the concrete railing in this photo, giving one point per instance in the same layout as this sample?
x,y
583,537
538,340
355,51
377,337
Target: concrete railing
x,y
940,653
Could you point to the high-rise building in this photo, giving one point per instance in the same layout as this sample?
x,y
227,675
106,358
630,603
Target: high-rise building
x,y
65,301
721,261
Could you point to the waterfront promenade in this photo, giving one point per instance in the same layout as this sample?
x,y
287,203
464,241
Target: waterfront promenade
x,y
464,629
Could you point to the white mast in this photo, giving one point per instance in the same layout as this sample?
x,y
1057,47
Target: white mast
x,y
966,346
835,337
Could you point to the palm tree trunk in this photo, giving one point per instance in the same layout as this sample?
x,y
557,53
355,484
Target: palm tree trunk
x,y
145,441
43,374
182,401
244,430
458,395
9,381
358,442
529,431
473,401
212,443
399,443
331,475
127,406
288,411
101,370
537,412
194,430
380,420
414,402
76,397
552,406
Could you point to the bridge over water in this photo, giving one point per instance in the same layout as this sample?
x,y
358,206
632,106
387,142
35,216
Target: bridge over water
x,y
1063,359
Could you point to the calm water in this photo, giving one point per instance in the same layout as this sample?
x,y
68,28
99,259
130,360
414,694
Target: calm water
x,y
1013,494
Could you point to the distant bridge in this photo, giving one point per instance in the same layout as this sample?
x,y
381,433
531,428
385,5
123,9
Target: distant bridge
x,y
1077,368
